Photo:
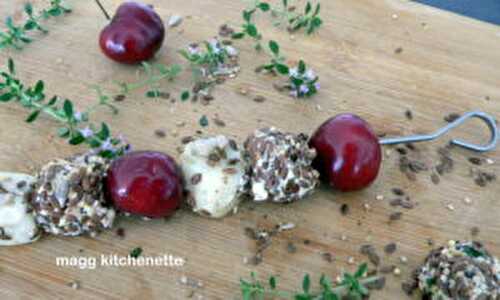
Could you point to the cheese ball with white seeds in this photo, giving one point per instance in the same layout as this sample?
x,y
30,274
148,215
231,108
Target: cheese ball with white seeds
x,y
68,197
279,166
213,173
17,223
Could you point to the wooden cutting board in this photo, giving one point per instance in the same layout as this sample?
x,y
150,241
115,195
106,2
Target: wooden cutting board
x,y
446,63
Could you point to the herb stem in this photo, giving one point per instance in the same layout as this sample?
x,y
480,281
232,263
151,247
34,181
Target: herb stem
x,y
49,111
342,289
152,80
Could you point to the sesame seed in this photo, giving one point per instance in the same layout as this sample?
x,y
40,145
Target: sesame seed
x,y
403,259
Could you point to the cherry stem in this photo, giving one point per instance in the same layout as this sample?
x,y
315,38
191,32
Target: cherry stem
x,y
103,9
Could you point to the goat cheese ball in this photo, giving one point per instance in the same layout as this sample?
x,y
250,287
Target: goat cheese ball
x,y
460,270
279,166
17,223
213,172
68,196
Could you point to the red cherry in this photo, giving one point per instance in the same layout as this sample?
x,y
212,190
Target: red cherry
x,y
135,34
145,183
349,153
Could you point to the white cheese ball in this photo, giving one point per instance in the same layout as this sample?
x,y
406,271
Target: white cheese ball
x,y
213,172
17,222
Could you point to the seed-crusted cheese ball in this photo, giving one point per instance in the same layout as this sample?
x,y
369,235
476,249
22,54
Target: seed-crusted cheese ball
x,y
69,199
17,223
461,270
214,175
280,166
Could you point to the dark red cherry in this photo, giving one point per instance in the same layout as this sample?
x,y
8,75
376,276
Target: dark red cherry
x,y
145,183
349,153
135,34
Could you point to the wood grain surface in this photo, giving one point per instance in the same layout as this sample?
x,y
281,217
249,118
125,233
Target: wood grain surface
x,y
448,63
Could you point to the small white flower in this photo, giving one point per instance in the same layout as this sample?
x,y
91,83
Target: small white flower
x,y
310,74
86,132
193,49
78,116
214,44
107,145
304,89
293,72
317,86
231,51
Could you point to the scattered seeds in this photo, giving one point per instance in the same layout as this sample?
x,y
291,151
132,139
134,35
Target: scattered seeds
x,y
390,248
120,232
174,21
396,216
74,284
160,133
398,192
403,259
119,98
451,117
476,161
371,253
344,209
474,231
219,122
259,99
327,256
408,113
225,30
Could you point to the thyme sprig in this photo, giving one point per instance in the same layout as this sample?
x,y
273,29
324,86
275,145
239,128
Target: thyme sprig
x,y
155,73
75,125
15,36
249,28
301,81
309,19
209,63
351,285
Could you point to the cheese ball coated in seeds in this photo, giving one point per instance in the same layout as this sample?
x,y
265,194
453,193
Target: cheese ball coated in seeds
x,y
214,175
68,196
279,166
460,270
17,223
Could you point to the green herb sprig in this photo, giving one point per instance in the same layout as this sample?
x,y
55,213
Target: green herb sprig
x,y
15,36
249,28
302,82
352,285
207,63
75,125
277,63
155,73
309,19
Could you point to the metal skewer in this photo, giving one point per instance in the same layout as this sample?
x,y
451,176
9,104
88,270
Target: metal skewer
x,y
489,120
